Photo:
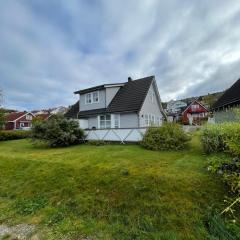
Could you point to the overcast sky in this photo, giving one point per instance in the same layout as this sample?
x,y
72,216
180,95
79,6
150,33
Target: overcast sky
x,y
49,49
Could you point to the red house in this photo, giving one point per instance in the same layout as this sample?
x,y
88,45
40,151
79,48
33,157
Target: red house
x,y
18,120
195,113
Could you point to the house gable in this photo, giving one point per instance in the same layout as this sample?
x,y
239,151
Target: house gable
x,y
191,109
151,106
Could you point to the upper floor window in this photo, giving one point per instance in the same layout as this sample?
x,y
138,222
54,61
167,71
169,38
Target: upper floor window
x,y
195,107
28,117
88,98
95,96
92,97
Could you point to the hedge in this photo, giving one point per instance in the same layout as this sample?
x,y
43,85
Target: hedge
x,y
13,134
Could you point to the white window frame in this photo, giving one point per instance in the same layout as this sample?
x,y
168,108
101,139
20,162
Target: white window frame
x,y
158,121
115,118
105,119
29,117
195,107
89,99
93,101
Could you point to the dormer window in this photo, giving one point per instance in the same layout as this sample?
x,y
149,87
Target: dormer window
x,y
95,96
92,97
88,98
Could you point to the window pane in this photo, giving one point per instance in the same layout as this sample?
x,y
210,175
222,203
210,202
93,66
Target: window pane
x,y
116,120
95,96
102,117
108,117
102,124
88,98
108,124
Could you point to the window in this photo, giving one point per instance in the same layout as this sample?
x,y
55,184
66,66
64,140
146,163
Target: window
x,y
105,121
92,97
146,120
158,121
116,123
95,97
149,119
152,119
21,125
88,98
28,117
194,107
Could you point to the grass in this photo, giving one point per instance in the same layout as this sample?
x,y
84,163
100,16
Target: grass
x,y
107,192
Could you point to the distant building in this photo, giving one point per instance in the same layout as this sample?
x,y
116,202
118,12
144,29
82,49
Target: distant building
x,y
175,106
223,107
195,113
18,120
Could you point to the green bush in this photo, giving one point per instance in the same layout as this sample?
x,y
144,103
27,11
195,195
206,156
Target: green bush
x,y
170,136
14,134
221,137
57,132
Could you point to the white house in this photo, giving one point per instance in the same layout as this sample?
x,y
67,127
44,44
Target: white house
x,y
130,105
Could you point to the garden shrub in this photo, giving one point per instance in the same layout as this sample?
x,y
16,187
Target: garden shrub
x,y
225,137
14,134
57,132
169,136
221,137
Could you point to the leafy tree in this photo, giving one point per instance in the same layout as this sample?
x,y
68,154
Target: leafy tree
x,y
57,132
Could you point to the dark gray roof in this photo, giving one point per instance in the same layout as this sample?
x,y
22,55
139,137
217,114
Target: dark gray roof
x,y
230,97
131,96
92,112
99,87
87,90
73,111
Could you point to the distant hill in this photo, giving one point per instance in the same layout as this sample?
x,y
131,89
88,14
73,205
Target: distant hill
x,y
208,100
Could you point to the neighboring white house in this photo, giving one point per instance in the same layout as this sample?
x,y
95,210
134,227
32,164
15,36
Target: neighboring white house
x,y
175,106
131,105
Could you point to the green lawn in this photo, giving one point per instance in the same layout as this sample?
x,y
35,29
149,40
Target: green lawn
x,y
107,192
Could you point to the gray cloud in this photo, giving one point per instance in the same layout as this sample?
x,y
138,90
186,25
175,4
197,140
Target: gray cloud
x,y
50,49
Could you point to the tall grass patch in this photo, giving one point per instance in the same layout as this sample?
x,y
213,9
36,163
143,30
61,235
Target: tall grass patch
x,y
221,137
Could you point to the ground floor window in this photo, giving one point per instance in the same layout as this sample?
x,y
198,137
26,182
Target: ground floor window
x,y
151,120
109,121
105,121
116,121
